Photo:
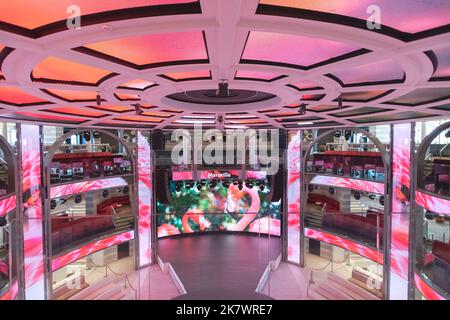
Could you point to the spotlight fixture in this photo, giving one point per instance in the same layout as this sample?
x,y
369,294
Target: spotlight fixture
x,y
105,194
87,136
53,204
226,183
125,190
235,182
447,134
429,215
240,187
223,90
347,135
357,195
189,184
310,187
178,186
199,186
249,184
337,134
302,108
77,199
261,186
98,99
138,109
212,184
340,102
3,221
372,197
382,200
331,191
96,135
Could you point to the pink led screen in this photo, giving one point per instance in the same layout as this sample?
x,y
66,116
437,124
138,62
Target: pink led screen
x,y
401,166
7,205
426,290
293,196
432,203
85,186
357,248
219,209
12,293
215,174
90,249
355,184
145,199
32,204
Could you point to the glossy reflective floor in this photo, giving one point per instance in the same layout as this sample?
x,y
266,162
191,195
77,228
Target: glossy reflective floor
x,y
220,266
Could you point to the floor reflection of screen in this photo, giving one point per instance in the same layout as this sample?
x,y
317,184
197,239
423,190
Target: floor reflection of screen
x,y
219,209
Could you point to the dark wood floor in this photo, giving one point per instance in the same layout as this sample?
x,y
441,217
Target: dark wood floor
x,y
220,266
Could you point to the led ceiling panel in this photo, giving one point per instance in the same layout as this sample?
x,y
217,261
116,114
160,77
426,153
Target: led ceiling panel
x,y
73,95
184,75
32,14
137,84
155,48
14,95
362,95
47,117
256,75
292,49
304,84
411,16
443,59
420,96
139,119
77,112
383,71
57,69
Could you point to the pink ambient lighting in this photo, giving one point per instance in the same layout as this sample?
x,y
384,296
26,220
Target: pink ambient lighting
x,y
355,184
145,199
292,49
293,196
432,203
385,70
7,205
91,248
417,16
188,75
357,248
30,14
63,70
155,48
14,95
258,75
426,290
85,186
33,222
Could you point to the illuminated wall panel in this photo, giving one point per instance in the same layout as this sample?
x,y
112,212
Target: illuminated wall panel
x,y
32,210
91,248
145,199
293,196
7,205
85,186
355,184
401,183
357,248
426,290
434,204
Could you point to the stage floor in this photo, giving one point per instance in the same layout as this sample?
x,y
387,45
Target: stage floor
x,y
216,266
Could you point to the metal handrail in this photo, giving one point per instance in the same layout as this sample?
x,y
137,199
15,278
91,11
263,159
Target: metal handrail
x,y
127,279
443,148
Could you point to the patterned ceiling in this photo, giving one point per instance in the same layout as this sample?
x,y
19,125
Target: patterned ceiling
x,y
297,51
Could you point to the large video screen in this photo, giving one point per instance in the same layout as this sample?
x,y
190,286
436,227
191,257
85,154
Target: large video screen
x,y
219,208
